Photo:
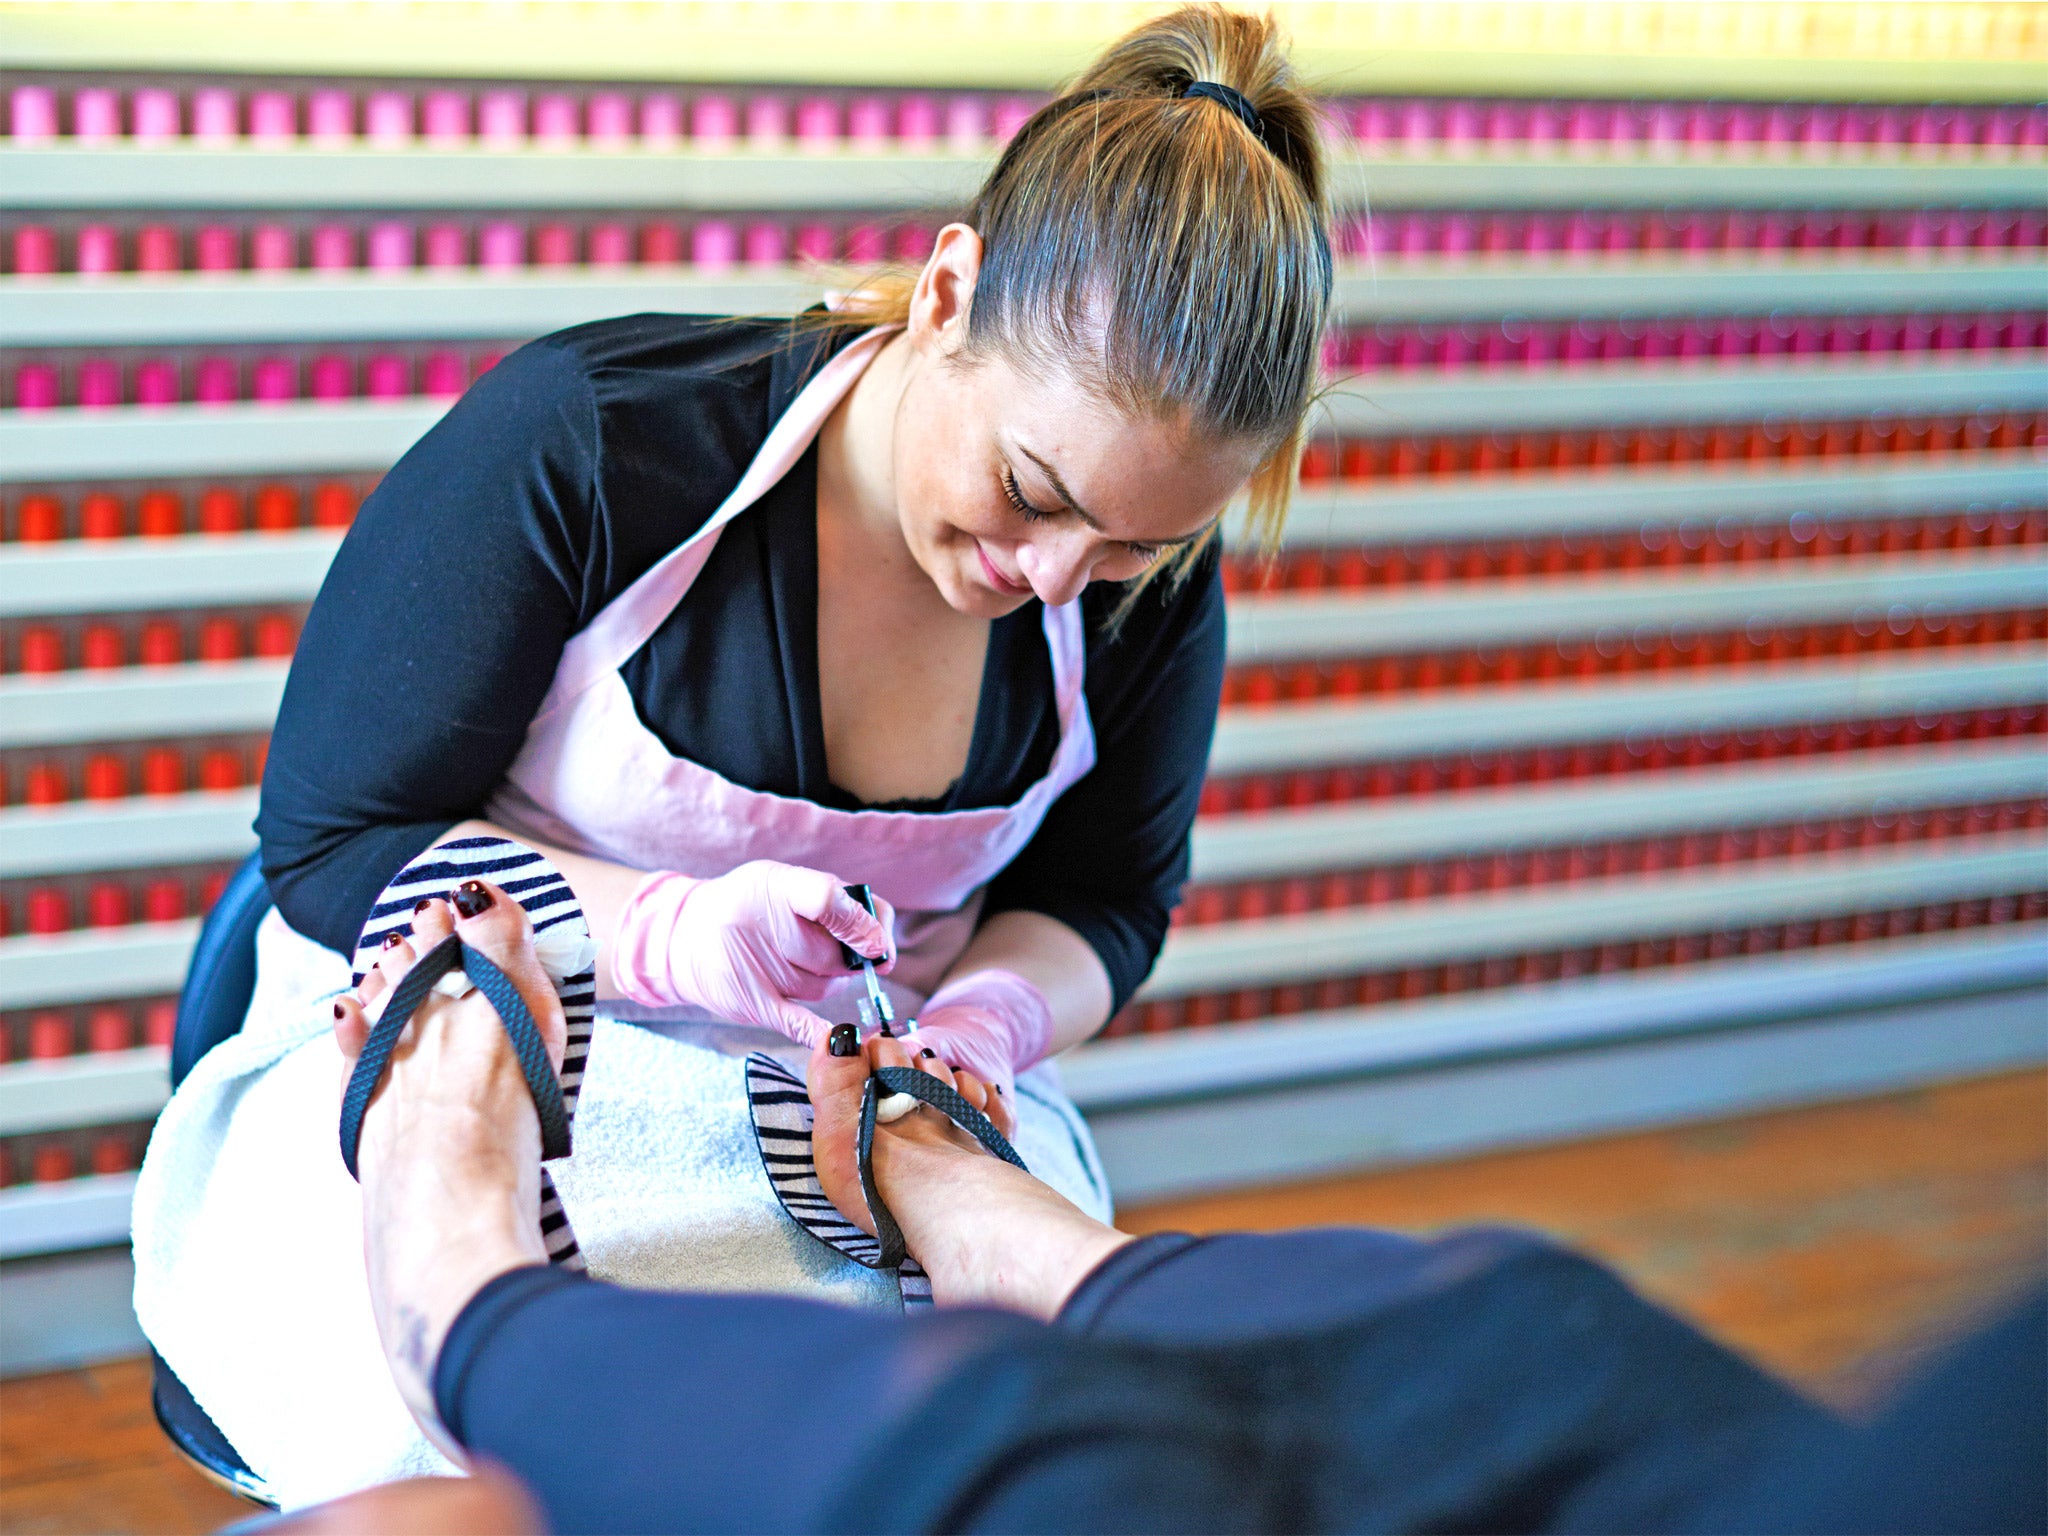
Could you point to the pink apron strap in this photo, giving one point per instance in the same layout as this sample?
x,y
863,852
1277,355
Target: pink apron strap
x,y
610,639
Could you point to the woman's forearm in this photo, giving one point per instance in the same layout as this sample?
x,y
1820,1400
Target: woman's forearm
x,y
1054,959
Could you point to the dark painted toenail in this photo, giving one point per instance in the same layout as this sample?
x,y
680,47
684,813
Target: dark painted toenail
x,y
338,1011
422,904
471,898
997,1086
393,938
843,1041
928,1051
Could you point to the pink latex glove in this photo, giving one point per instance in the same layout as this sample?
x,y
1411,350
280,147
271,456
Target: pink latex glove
x,y
747,946
994,1023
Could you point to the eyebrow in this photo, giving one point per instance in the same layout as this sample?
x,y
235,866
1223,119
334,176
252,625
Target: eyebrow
x,y
1059,489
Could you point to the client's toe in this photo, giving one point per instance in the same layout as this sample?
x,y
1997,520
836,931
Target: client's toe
x,y
837,1074
496,926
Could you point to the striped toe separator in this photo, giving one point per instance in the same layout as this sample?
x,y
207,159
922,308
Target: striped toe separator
x,y
549,903
781,1106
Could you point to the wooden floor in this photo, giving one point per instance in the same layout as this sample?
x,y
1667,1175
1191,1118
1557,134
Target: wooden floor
x,y
1831,1243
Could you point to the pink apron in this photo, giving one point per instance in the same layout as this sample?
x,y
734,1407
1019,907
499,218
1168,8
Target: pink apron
x,y
591,777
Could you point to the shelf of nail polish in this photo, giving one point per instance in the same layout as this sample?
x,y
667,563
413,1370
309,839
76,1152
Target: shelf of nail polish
x,y
44,904
456,115
55,380
54,1157
193,776
104,517
108,643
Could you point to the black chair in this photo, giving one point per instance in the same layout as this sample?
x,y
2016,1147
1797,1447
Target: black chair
x,y
218,986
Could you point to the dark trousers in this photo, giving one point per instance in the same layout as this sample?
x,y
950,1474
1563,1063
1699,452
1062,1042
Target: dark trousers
x,y
1326,1380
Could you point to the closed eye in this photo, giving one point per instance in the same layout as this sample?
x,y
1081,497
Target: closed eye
x,y
1029,512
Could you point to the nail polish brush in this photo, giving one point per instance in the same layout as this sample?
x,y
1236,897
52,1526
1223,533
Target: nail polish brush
x,y
875,1011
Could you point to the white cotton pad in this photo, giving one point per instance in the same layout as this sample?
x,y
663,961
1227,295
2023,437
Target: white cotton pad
x,y
893,1106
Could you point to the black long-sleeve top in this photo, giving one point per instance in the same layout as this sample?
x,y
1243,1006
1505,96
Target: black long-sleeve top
x,y
562,476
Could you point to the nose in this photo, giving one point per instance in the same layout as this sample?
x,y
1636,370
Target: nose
x,y
1057,565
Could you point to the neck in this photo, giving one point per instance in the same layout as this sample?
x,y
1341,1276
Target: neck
x,y
856,453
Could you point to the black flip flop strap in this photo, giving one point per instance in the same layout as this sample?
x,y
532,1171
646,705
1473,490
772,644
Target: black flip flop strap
x,y
946,1100
513,1013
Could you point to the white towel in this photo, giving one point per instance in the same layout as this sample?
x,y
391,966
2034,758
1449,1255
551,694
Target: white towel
x,y
249,1271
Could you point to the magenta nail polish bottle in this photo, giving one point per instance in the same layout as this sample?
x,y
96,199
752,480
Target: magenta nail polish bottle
x,y
1010,114
331,377
767,120
95,116
444,120
714,245
442,375
156,249
156,382
35,251
501,246
1461,128
391,246
608,122
814,243
714,123
661,121
445,246
554,245
763,245
35,387
554,122
387,376
867,125
866,244
966,124
334,248
387,120
216,248
273,248
32,115
214,381
917,124
911,242
153,116
1416,124
817,125
273,380
1458,235
1540,125
1584,134
99,384
216,118
1579,237
331,119
609,245
273,120
501,120
97,249
1505,127
1372,124
661,244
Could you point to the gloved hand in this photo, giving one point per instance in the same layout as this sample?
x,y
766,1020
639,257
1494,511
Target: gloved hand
x,y
747,946
994,1023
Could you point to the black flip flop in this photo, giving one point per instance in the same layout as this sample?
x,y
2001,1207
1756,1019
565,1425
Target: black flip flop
x,y
948,1102
405,999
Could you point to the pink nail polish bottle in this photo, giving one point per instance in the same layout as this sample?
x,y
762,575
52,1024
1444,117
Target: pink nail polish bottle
x,y
32,115
815,243
912,242
444,120
35,387
1458,235
1010,114
661,244
98,250
99,384
1504,129
273,248
391,246
609,245
331,119
917,124
334,248
554,245
714,123
1461,129
35,251
446,246
153,116
216,248
156,249
501,246
608,122
817,125
216,118
1584,133
156,382
866,244
867,125
1540,125
1415,125
501,120
714,245
442,375
1579,237
764,245
387,376
273,119
95,116
554,122
331,377
661,122
214,381
767,124
966,124
387,120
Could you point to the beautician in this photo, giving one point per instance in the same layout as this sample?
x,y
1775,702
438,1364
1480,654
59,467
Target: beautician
x,y
922,592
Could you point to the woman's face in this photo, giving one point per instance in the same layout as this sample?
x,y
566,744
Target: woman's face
x,y
1013,483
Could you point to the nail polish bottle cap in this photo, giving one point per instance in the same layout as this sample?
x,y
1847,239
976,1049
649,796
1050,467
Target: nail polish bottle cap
x,y
608,121
501,120
273,119
95,116
32,114
554,122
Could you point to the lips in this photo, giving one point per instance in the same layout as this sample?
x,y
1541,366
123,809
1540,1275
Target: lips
x,y
996,578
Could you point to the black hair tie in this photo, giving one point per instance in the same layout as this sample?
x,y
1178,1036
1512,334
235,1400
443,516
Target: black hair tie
x,y
1238,104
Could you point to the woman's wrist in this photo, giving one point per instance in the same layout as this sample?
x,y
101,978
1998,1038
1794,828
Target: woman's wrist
x,y
641,962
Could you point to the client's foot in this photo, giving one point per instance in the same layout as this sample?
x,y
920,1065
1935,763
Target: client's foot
x,y
450,1154
984,1231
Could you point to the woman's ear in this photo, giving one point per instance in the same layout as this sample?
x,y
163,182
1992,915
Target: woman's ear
x,y
945,290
